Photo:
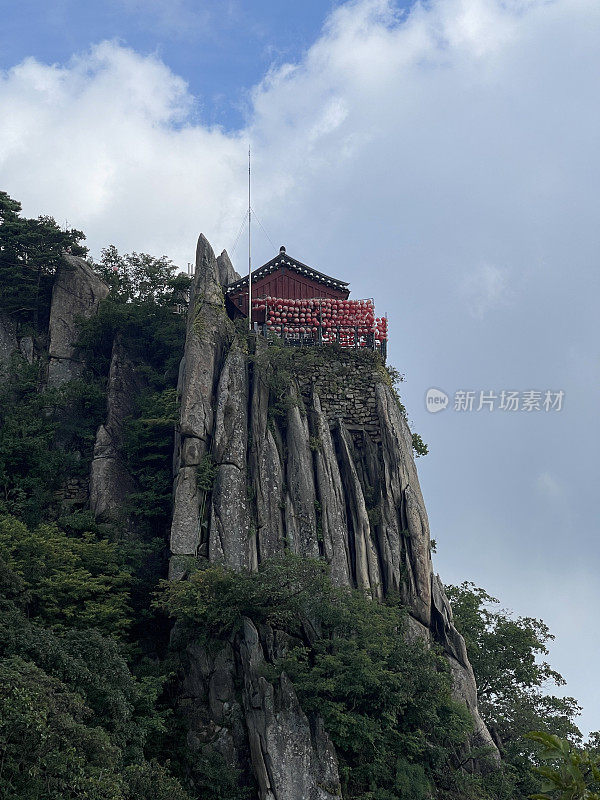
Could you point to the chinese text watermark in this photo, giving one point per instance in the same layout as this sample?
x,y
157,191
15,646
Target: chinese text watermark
x,y
488,400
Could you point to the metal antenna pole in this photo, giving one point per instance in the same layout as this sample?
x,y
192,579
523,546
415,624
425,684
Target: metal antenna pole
x,y
249,252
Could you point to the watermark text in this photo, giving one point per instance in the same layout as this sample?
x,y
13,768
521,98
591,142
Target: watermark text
x,y
487,400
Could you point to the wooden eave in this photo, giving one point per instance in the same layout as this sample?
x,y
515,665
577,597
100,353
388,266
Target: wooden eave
x,y
284,260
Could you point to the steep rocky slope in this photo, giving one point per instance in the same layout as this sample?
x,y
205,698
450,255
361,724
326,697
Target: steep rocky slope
x,y
321,466
307,452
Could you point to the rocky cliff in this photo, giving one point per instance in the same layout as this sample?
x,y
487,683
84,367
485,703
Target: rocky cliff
x,y
308,451
76,295
311,454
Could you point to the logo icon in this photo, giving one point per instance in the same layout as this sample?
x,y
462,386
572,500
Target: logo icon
x,y
435,400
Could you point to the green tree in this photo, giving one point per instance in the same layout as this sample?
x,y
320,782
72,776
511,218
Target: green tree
x,y
140,277
48,747
567,772
30,252
507,655
32,466
54,745
67,581
385,701
74,720
149,437
144,294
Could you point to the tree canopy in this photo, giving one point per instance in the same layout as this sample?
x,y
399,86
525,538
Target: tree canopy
x,y
385,701
508,658
30,252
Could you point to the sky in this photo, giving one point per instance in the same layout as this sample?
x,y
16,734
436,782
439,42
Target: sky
x,y
441,156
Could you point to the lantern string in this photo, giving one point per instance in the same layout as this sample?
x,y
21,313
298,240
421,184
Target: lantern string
x,y
240,232
264,230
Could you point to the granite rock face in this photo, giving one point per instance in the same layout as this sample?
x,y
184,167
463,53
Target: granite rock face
x,y
225,271
292,759
258,727
230,541
327,472
110,481
77,292
209,331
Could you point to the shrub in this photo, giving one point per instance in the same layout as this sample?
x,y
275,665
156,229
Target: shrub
x,y
67,581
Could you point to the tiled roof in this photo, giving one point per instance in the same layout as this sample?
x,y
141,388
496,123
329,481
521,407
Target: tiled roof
x,y
284,260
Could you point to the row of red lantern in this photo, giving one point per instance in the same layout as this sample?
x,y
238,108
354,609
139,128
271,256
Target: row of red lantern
x,y
313,302
355,310
328,320
330,333
336,318
311,326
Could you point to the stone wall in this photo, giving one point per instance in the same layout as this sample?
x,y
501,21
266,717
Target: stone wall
x,y
346,391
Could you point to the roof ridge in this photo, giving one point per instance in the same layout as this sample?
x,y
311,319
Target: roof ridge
x,y
284,259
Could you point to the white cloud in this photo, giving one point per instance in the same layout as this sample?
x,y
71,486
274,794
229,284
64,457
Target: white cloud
x,y
550,486
446,119
485,288
107,143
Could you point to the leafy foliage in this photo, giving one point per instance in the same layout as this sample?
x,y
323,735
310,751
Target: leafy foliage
x,y
507,658
48,749
140,311
206,473
214,600
148,440
419,445
74,721
385,700
55,746
139,314
567,773
29,468
67,581
141,278
32,467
